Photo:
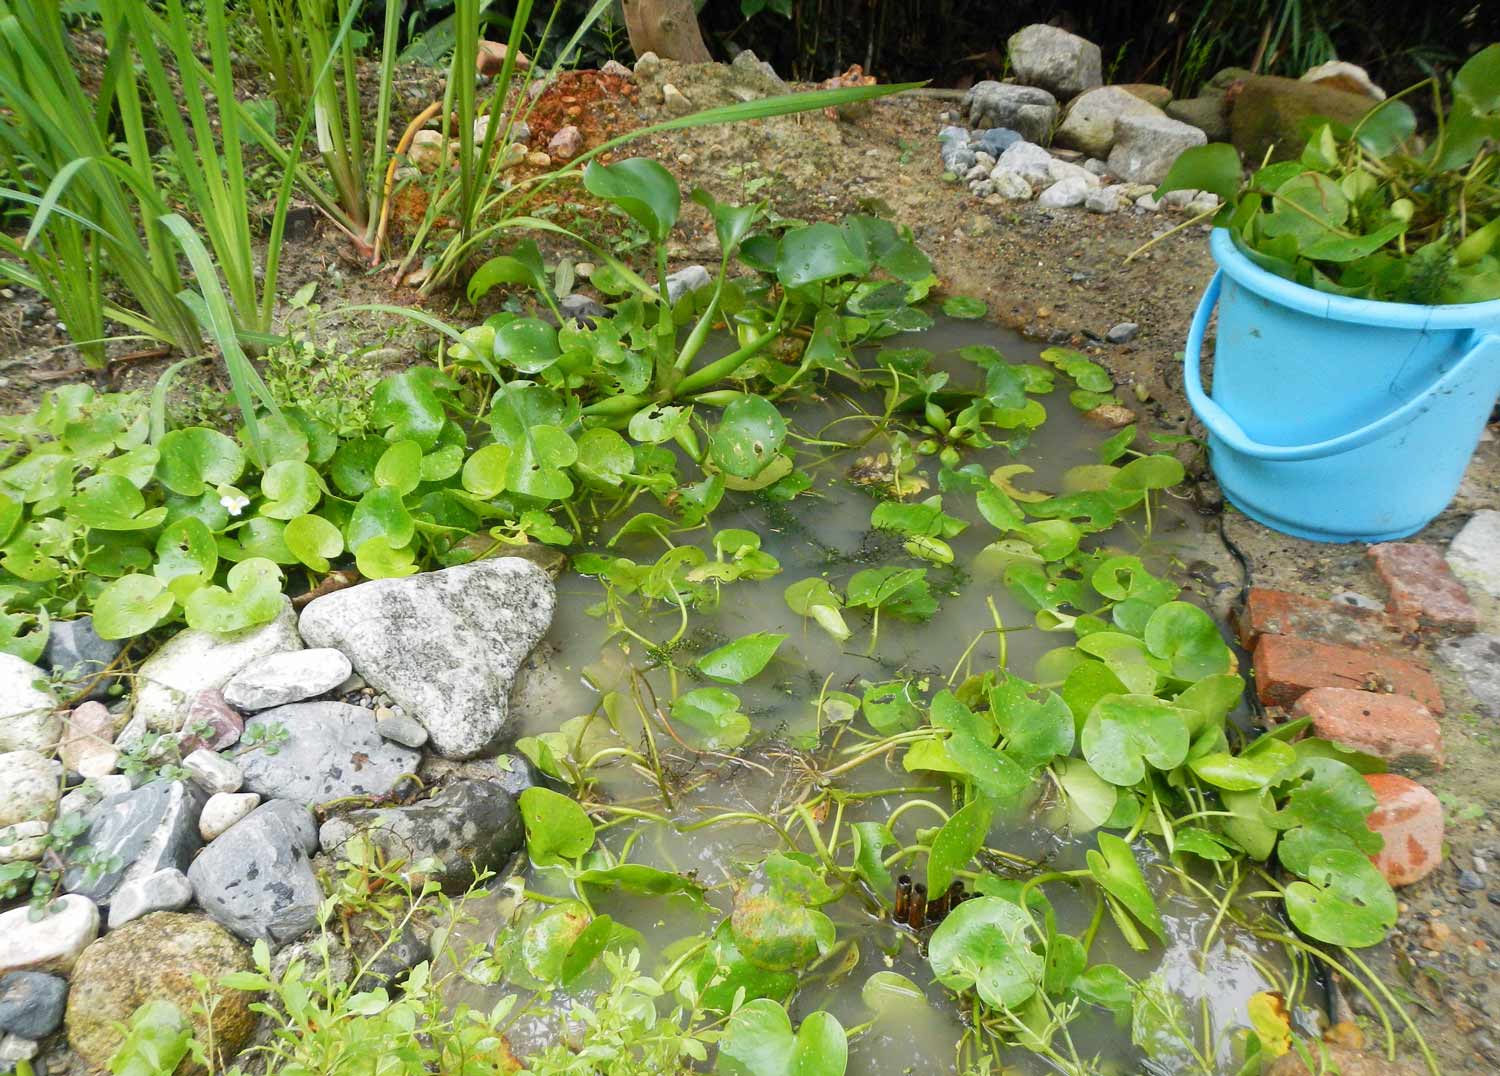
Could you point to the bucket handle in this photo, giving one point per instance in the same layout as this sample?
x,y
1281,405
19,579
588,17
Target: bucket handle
x,y
1227,430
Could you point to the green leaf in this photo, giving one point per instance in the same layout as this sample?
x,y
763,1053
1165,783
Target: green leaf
x,y
731,222
550,937
408,406
642,188
400,467
110,502
378,558
1188,638
291,489
758,1041
1256,767
1125,732
889,707
527,344
1344,901
557,828
1090,799
523,265
961,837
714,715
380,513
658,422
639,878
985,945
197,458
1479,79
871,839
1214,167
254,597
815,253
185,548
1149,472
313,540
736,662
1115,869
748,437
604,458
962,306
131,605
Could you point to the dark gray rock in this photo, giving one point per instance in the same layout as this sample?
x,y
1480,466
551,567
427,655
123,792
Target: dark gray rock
x,y
31,1004
331,751
444,645
515,773
75,650
394,960
150,829
467,827
583,309
1122,333
257,877
1030,112
1470,881
995,140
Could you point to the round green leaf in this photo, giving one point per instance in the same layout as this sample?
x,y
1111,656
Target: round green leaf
x,y
376,558
962,306
1344,901
985,944
196,458
1188,638
748,437
131,605
313,540
186,548
604,457
254,597
1125,732
484,473
814,253
291,488
642,188
527,344
1149,472
353,466
758,1041
110,502
714,714
400,467
557,829
379,513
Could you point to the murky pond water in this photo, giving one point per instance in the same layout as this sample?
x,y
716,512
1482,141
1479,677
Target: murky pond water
x,y
827,533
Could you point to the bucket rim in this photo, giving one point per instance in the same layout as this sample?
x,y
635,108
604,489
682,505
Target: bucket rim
x,y
1452,317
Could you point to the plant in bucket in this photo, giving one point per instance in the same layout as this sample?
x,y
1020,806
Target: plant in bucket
x,y
1358,293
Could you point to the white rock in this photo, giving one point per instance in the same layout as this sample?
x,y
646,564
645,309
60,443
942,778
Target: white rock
x,y
675,100
14,1050
213,772
193,661
1064,194
1345,76
292,676
165,891
88,747
1177,199
1090,121
1147,202
1096,166
28,710
23,842
223,810
1028,160
1474,553
979,171
981,157
51,943
1102,201
1147,146
1010,185
92,792
1206,202
1055,60
685,281
982,187
30,784
400,729
1058,171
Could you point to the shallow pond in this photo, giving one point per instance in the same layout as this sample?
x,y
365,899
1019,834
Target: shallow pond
x,y
794,743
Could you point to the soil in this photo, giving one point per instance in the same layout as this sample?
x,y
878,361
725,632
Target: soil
x,y
1065,276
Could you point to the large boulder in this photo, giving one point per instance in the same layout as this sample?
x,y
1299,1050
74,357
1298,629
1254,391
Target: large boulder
x,y
28,787
1089,124
1209,114
257,877
324,751
135,835
161,957
1055,60
1273,114
29,720
193,661
1146,146
443,645
467,827
1027,110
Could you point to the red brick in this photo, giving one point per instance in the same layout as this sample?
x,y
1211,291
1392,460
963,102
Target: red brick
x,y
1393,727
1287,668
1424,593
1410,818
1279,612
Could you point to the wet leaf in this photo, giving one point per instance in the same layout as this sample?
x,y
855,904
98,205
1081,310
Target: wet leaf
x,y
748,437
409,407
253,597
527,344
110,502
713,714
985,945
639,878
1344,901
1115,869
557,828
742,659
759,1041
1188,638
962,306
889,707
1255,767
956,843
313,540
1124,733
131,605
185,548
1090,798
815,253
292,488
550,935
196,458
604,457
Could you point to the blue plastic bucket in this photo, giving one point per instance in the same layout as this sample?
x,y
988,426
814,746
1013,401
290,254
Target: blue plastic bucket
x,y
1337,419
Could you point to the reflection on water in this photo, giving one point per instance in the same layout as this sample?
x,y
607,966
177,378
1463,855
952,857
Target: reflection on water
x,y
827,533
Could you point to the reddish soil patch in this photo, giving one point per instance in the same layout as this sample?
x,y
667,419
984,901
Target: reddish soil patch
x,y
601,106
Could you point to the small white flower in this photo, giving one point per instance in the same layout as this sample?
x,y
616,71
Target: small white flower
x,y
233,500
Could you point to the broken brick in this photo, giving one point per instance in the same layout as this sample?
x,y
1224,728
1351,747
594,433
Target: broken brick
x,y
1279,612
1424,593
1410,819
1286,668
1393,727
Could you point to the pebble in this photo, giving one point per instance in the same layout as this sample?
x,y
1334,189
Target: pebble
x,y
675,100
28,787
1010,184
31,1004
566,144
165,891
51,943
88,747
1470,882
1102,201
223,810
399,728
91,792
14,1049
213,772
1122,333
287,677
1064,194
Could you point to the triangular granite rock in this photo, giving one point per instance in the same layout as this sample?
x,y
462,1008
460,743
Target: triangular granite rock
x,y
444,645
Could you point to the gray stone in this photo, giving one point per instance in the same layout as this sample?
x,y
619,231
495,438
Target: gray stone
x,y
75,651
1477,659
165,891
402,729
31,1004
1470,881
583,309
95,790
213,772
1057,171
1209,114
193,661
675,101
395,958
278,679
1474,553
1010,184
29,784
1064,194
16,1048
51,943
138,833
223,810
1358,600
257,878
647,66
687,280
515,773
615,67
1146,146
745,62
1028,111
995,140
1095,166
1090,121
29,720
958,156
1028,160
1055,60
331,752
1105,200
467,827
444,645
1122,333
